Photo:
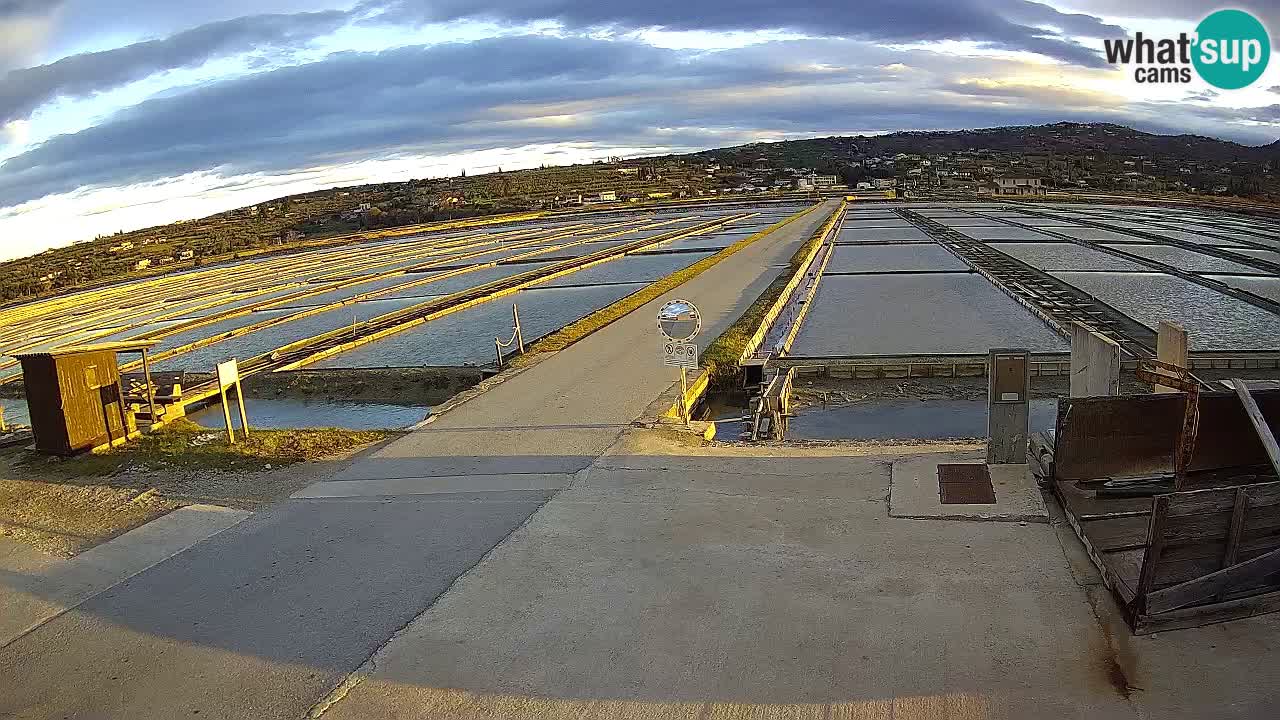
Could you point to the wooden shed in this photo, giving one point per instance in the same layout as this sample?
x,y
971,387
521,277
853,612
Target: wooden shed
x,y
76,398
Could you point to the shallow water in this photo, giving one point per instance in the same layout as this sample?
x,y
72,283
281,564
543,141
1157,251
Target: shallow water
x,y
289,413
1065,256
1213,320
907,420
466,337
924,313
882,258
15,411
1184,259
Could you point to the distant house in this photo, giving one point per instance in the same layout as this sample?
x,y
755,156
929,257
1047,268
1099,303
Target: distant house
x,y
1019,186
186,255
142,264
825,180
126,245
804,182
629,171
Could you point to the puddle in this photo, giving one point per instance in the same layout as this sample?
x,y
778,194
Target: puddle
x,y
907,420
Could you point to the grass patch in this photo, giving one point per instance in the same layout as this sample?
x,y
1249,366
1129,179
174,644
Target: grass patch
x,y
574,332
184,444
723,353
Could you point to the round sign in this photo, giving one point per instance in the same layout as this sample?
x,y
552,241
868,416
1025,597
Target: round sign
x,y
679,320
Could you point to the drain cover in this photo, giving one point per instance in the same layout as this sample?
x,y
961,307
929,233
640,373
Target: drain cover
x,y
965,484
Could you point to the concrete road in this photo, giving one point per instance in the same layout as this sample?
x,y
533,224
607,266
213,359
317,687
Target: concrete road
x,y
739,585
262,620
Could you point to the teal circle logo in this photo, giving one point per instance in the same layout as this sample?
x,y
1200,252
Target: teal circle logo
x,y
1232,49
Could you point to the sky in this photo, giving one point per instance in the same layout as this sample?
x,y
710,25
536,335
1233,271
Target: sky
x,y
120,114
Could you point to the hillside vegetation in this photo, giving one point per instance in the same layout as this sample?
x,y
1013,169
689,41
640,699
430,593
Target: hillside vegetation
x,y
1067,155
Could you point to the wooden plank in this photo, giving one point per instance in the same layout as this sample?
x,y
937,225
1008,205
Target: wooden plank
x,y
1203,588
1136,434
1236,530
1216,500
1201,615
1121,533
1125,566
1155,544
1259,422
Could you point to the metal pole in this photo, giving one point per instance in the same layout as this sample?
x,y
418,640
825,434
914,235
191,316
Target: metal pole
x,y
515,313
684,391
151,393
497,344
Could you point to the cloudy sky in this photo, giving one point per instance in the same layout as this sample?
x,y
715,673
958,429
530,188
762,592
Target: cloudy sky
x,y
118,114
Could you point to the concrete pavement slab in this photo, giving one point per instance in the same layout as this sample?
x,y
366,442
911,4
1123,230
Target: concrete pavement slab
x,y
34,591
436,485
697,586
260,620
914,491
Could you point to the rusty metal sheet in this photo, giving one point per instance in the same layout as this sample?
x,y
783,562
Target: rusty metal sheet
x,y
1129,435
965,484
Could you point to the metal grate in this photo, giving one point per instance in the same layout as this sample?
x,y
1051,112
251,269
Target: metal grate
x,y
965,484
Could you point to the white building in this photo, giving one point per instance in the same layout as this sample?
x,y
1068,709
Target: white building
x,y
1019,186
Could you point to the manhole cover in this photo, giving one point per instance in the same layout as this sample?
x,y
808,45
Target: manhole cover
x,y
966,484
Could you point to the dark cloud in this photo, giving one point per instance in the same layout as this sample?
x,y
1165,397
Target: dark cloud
x,y
23,90
10,9
1005,24
1268,11
516,91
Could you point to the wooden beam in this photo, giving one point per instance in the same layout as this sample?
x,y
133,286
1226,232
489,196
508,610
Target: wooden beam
x,y
1155,546
1259,423
1203,588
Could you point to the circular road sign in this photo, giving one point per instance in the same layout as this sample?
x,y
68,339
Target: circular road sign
x,y
679,320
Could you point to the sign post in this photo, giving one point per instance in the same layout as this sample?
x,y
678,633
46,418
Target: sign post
x,y
228,377
680,322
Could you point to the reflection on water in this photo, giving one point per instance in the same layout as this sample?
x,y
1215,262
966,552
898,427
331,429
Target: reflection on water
x,y
292,413
907,420
15,411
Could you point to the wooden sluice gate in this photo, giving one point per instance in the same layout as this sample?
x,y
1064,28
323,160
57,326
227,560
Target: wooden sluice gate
x,y
1182,523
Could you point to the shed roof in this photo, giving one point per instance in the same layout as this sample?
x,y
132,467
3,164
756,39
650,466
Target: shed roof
x,y
121,346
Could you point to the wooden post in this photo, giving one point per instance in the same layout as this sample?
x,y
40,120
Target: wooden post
x,y
151,393
244,419
226,415
1095,363
1171,347
515,316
